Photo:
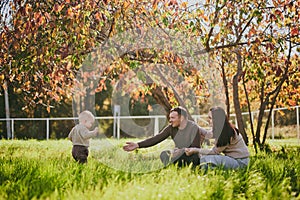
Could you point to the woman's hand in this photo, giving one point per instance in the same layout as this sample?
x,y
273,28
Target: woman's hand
x,y
191,151
176,153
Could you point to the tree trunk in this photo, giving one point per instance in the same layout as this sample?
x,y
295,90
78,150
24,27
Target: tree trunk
x,y
277,91
250,115
225,83
259,119
161,99
177,97
236,101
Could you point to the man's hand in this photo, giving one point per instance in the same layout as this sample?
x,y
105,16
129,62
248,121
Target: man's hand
x,y
130,146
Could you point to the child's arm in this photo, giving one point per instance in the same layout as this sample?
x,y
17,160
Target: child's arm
x,y
90,134
96,131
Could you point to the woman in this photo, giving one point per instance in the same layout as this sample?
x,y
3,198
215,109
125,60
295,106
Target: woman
x,y
228,141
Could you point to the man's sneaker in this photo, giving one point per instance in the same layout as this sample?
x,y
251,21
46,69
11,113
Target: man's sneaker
x,y
165,157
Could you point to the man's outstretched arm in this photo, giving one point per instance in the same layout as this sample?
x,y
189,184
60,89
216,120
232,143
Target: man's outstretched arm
x,y
130,146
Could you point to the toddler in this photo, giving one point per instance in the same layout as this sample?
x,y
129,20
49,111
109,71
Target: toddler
x,y
80,136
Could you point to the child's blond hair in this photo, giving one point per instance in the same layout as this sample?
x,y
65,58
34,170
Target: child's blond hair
x,y
86,115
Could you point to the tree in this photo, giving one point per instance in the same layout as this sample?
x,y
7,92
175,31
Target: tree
x,y
245,39
250,29
44,43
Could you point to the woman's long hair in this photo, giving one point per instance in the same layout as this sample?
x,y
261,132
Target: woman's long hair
x,y
223,131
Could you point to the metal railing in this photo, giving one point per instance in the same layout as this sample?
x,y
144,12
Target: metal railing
x,y
116,129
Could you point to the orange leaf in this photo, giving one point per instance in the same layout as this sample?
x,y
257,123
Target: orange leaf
x,y
48,109
70,12
97,16
252,31
126,4
57,8
184,4
295,31
154,4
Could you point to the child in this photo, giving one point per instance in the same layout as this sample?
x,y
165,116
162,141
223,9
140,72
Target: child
x,y
80,135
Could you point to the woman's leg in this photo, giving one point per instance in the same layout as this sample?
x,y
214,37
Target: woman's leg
x,y
219,160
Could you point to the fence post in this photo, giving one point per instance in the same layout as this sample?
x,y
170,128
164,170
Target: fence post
x,y
7,113
117,110
297,117
114,127
118,130
156,125
12,128
47,128
273,131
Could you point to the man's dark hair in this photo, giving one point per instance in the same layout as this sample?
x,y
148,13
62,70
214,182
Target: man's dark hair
x,y
180,110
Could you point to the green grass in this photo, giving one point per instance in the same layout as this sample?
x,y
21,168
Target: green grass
x,y
45,170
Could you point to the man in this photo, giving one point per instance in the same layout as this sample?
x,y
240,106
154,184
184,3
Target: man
x,y
184,133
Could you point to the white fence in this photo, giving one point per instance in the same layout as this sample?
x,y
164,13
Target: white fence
x,y
116,129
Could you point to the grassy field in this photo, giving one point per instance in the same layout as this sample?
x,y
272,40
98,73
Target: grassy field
x,y
34,169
